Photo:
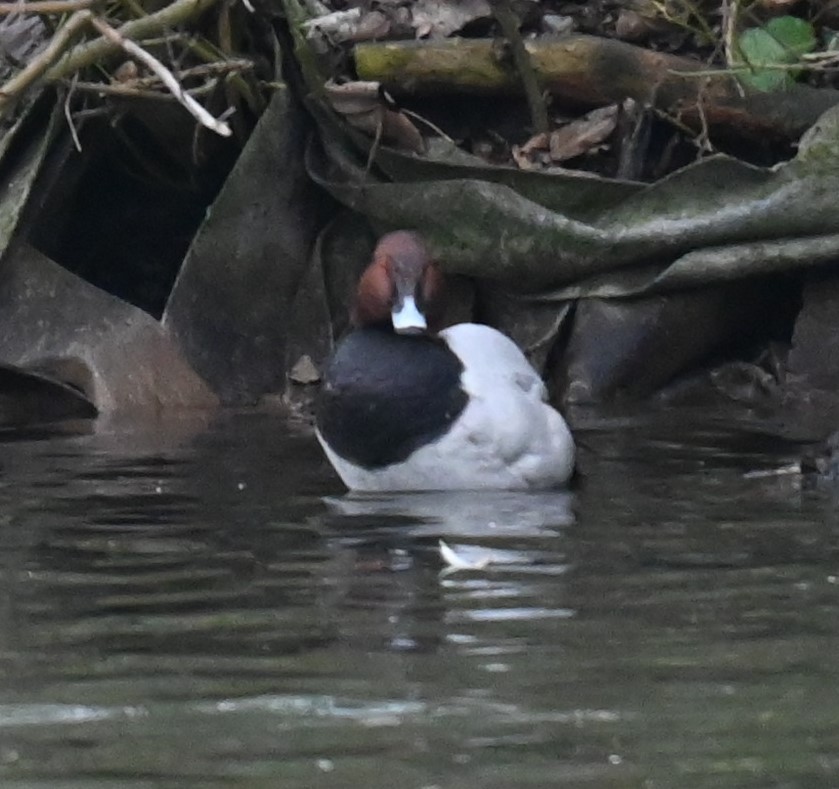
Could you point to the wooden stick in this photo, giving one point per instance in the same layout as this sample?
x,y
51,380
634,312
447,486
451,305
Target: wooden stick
x,y
45,7
165,76
135,91
216,68
135,30
51,66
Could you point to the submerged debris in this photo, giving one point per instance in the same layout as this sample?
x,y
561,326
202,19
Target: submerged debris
x,y
455,561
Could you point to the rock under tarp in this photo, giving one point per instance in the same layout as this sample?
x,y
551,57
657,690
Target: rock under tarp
x,y
30,397
120,357
632,348
814,356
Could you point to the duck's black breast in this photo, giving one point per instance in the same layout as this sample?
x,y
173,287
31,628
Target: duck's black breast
x,y
385,395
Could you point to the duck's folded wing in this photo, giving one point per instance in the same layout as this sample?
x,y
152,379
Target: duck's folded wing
x,y
508,419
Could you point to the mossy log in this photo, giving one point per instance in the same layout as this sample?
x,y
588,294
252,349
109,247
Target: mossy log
x,y
596,71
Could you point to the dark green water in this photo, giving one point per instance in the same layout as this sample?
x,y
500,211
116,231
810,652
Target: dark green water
x,y
200,606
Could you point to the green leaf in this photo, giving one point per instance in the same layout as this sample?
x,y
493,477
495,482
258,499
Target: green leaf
x,y
782,41
759,48
794,34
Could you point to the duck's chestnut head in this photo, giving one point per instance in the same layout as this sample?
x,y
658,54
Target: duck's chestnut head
x,y
402,287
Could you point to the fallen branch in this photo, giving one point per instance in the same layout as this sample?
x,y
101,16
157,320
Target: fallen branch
x,y
137,29
45,7
68,115
146,85
52,67
216,68
132,91
598,71
165,76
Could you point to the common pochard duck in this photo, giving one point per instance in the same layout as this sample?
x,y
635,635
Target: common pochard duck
x,y
403,407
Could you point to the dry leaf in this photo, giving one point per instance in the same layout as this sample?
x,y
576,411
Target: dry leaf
x,y
361,104
632,26
790,468
338,27
557,25
455,561
350,98
580,136
441,18
538,142
525,155
521,159
127,72
373,26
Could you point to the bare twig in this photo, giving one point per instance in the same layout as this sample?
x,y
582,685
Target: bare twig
x,y
134,8
166,76
730,20
218,68
69,115
732,71
433,126
691,18
45,7
703,139
38,67
374,148
135,91
51,66
135,30
508,21
164,40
